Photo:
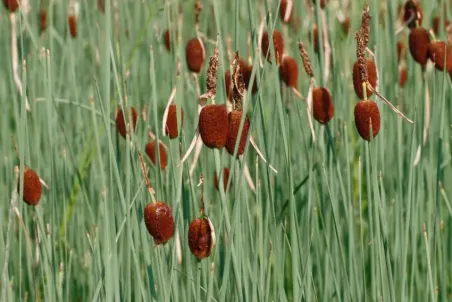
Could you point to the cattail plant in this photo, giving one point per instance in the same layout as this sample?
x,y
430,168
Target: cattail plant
x,y
32,184
286,10
441,54
101,5
403,76
401,51
171,123
158,216
195,52
320,102
322,3
413,15
11,5
278,45
42,19
367,114
121,125
436,23
201,233
156,150
73,13
418,41
344,21
288,71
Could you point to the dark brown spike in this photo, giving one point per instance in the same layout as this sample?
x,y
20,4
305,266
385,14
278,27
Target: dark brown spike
x,y
286,10
234,118
278,44
403,76
120,122
413,14
171,129
401,51
418,41
42,19
358,80
367,113
11,5
288,71
441,54
195,55
151,151
159,221
201,237
32,187
213,126
226,174
322,105
72,22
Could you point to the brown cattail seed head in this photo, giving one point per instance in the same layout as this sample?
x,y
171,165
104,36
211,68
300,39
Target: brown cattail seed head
x,y
366,112
228,84
171,122
285,10
42,19
322,3
32,187
11,5
234,125
418,40
201,237
288,71
151,151
441,54
403,76
413,14
346,25
401,51
159,221
278,44
211,82
226,174
358,80
213,126
120,122
195,54
306,62
246,71
322,105
315,36
72,21
167,39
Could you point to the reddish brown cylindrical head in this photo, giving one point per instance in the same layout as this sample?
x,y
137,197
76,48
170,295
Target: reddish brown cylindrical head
x,y
201,237
288,71
167,39
371,77
11,5
228,84
403,76
42,19
418,41
436,24
413,14
171,122
322,105
346,25
285,10
159,221
246,71
195,54
213,126
278,44
401,50
367,114
225,180
72,21
32,187
441,54
315,38
151,151
234,125
120,122
322,3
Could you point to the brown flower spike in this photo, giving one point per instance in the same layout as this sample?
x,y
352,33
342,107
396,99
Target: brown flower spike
x,y
358,80
419,40
11,5
285,10
171,128
195,54
226,174
151,151
120,122
234,118
288,71
413,14
32,187
278,44
322,105
441,54
159,221
213,126
367,114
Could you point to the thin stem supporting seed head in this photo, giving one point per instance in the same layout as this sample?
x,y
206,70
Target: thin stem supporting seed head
x,y
305,57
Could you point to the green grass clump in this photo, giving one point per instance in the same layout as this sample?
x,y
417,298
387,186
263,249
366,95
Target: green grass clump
x,y
343,219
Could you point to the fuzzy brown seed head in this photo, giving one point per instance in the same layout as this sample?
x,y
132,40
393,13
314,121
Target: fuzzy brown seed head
x,y
72,21
441,54
288,71
159,221
315,37
151,151
11,5
195,54
201,237
418,41
228,84
171,123
403,76
32,187
278,44
213,126
120,122
413,12
234,118
226,174
322,105
401,50
322,3
285,10
211,82
358,80
167,39
367,113
346,25
42,19
246,71
436,21
238,82
306,62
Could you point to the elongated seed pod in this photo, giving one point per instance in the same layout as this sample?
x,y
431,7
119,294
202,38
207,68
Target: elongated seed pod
x,y
403,76
441,54
226,174
167,39
213,126
42,19
32,187
195,54
159,221
367,114
401,51
322,105
120,122
246,71
151,151
278,44
288,71
11,5
285,10
233,133
201,237
413,14
171,123
418,41
371,76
